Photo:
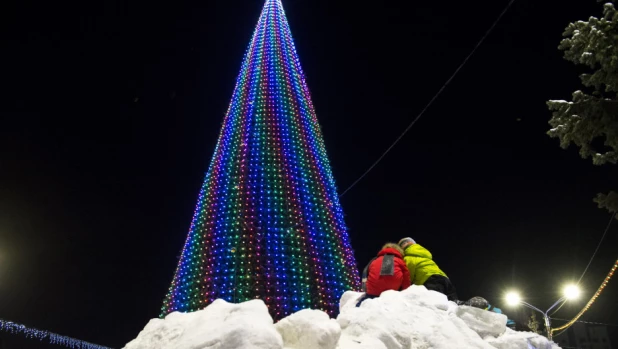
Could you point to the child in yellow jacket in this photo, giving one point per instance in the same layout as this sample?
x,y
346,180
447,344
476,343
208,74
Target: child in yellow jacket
x,y
424,271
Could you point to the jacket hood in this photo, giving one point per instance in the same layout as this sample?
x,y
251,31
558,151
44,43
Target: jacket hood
x,y
390,250
417,250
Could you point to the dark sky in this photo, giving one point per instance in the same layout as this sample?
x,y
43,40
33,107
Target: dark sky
x,y
111,110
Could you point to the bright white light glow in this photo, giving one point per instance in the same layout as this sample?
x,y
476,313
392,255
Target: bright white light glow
x,y
512,298
571,292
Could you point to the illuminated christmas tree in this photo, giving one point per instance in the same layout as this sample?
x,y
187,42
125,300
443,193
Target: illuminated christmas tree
x,y
268,222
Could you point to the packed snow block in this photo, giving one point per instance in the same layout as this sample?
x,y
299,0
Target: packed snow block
x,y
411,319
423,296
454,333
407,320
521,340
452,307
349,299
221,325
390,318
158,334
483,322
362,342
374,320
415,293
309,329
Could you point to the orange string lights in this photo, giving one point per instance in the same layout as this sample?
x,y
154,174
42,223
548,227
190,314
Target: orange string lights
x,y
594,298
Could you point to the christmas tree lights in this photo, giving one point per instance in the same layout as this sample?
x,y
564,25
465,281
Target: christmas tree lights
x,y
268,223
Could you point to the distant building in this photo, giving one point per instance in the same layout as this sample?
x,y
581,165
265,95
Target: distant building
x,y
585,336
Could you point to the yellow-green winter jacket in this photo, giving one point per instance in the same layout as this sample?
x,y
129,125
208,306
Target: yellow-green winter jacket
x,y
419,262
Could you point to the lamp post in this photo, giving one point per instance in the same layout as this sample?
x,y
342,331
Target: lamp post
x,y
570,292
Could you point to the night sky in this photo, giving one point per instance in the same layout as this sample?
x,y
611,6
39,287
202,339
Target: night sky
x,y
111,111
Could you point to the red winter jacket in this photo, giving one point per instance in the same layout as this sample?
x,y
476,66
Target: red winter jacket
x,y
400,280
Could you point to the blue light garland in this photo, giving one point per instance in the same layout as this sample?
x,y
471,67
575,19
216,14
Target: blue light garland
x,y
54,338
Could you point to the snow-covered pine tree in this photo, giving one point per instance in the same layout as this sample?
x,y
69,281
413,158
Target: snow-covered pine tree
x,y
608,201
534,324
590,120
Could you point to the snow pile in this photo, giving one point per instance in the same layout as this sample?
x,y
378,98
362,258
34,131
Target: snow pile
x,y
513,339
412,319
415,318
221,325
309,329
483,322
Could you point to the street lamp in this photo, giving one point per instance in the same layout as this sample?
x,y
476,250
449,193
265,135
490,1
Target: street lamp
x,y
570,292
512,298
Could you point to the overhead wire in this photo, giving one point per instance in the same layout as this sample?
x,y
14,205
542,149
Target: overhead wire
x,y
433,99
586,322
611,219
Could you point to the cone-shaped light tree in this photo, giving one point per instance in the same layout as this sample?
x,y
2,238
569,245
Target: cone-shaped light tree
x,y
268,222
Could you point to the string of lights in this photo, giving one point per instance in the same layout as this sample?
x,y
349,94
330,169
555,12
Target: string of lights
x,y
54,338
591,301
268,223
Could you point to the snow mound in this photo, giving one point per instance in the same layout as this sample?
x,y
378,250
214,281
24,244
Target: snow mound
x,y
221,325
412,319
309,329
520,340
485,323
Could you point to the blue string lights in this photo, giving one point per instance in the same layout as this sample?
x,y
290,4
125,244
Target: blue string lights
x,y
54,338
268,223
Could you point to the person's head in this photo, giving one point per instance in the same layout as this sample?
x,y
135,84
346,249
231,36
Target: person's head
x,y
393,246
405,242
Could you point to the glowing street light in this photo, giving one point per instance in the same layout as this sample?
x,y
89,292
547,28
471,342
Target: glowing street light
x,y
570,292
512,299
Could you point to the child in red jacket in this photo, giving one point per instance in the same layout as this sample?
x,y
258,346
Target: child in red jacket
x,y
386,272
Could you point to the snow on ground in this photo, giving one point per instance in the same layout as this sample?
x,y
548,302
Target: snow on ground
x,y
221,325
412,319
